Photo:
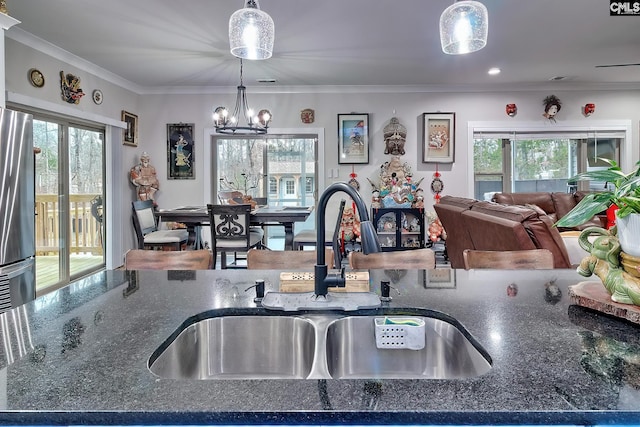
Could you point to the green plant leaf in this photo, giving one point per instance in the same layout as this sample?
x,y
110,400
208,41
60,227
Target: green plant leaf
x,y
591,205
608,175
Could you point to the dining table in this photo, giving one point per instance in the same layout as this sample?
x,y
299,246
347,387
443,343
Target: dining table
x,y
195,217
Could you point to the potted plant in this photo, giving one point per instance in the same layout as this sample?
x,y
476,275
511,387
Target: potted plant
x,y
625,194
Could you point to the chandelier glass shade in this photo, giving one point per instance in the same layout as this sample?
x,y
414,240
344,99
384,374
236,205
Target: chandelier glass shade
x,y
227,123
464,27
251,32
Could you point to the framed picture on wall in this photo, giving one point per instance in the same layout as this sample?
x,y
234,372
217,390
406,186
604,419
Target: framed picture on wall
x,y
353,138
440,278
438,137
130,133
180,151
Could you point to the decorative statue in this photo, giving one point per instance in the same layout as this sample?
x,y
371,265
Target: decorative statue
x,y
349,225
604,262
143,176
396,188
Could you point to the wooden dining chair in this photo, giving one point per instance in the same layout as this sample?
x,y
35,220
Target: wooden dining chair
x,y
146,228
421,259
531,259
231,232
285,260
139,259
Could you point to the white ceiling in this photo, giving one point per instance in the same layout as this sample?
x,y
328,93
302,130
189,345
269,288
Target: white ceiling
x,y
165,44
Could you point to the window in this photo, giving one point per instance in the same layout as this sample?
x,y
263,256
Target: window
x,y
289,187
281,168
539,162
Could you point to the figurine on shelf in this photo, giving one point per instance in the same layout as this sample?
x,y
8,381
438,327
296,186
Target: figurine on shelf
x,y
397,188
143,177
349,225
375,199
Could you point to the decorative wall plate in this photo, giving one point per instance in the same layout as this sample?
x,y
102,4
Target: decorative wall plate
x,y
97,96
36,78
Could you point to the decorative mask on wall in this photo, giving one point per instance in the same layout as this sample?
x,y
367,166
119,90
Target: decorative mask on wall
x,y
589,109
395,135
70,86
512,110
307,115
552,107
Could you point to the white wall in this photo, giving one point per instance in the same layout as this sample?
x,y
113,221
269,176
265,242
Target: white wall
x,y
159,110
156,111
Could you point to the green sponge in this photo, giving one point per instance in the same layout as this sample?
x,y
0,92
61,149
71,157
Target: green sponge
x,y
409,322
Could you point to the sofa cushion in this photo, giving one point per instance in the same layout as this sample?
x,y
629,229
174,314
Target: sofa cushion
x,y
511,212
449,212
539,229
541,199
546,236
563,203
492,232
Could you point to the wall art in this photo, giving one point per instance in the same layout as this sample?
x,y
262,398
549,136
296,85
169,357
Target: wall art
x,y
180,151
438,140
70,87
130,133
353,138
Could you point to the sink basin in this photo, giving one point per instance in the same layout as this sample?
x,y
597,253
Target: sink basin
x,y
239,347
448,354
314,346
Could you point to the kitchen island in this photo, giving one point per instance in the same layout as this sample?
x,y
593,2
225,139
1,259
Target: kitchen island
x,y
88,344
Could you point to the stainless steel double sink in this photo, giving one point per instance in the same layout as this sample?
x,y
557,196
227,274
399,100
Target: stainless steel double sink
x,y
314,346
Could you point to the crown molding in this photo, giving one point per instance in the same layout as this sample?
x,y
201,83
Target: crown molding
x,y
58,53
28,39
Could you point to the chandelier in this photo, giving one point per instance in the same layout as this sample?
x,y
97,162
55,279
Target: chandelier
x,y
251,32
463,27
255,124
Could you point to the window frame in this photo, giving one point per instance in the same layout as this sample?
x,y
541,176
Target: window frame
x,y
576,129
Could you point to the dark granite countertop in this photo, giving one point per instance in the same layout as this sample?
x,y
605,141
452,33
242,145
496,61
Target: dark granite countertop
x,y
79,356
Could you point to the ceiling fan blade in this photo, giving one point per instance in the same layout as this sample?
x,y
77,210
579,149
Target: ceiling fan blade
x,y
617,65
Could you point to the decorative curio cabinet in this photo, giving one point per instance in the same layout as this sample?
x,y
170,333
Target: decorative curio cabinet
x,y
399,228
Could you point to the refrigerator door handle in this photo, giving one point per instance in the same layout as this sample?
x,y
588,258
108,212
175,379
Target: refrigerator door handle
x,y
15,270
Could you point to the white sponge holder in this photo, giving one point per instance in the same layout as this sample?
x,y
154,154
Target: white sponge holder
x,y
399,336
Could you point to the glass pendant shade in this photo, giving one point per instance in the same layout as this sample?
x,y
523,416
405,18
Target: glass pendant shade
x,y
464,27
251,32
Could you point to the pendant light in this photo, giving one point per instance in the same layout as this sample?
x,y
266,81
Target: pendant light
x,y
251,32
463,27
255,123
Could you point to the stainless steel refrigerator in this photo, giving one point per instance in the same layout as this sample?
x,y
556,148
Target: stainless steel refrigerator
x,y
17,204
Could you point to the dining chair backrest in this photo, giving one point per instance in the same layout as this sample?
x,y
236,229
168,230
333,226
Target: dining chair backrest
x,y
531,259
285,260
144,214
230,225
420,259
140,259
146,228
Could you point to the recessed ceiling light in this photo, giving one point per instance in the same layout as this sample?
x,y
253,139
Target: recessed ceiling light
x,y
494,71
557,78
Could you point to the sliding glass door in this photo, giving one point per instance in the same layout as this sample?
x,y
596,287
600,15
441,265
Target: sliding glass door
x,y
69,179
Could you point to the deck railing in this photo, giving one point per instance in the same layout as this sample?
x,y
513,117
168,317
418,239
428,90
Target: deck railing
x,y
85,226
